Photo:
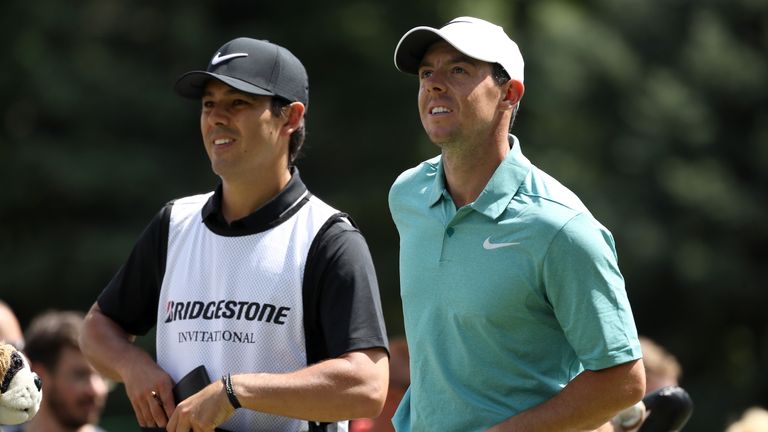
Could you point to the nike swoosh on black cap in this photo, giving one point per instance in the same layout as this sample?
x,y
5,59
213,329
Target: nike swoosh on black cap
x,y
253,66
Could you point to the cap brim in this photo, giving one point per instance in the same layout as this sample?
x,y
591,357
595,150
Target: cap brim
x,y
192,84
412,46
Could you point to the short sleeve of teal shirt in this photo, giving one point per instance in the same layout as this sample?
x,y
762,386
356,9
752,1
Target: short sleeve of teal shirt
x,y
586,289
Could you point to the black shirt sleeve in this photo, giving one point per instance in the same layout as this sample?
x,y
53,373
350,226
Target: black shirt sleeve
x,y
342,305
130,299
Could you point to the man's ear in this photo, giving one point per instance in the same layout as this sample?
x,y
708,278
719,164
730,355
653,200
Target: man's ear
x,y
294,113
513,94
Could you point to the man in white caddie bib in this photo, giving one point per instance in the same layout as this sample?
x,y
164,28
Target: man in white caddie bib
x,y
269,288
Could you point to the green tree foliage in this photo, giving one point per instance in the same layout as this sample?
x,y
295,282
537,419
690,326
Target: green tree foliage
x,y
654,112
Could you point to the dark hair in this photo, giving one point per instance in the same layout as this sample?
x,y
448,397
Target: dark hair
x,y
50,333
500,74
297,137
501,77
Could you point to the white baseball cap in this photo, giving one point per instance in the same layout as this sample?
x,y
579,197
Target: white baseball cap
x,y
474,37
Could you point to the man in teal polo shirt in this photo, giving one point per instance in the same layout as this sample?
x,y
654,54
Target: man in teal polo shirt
x,y
514,305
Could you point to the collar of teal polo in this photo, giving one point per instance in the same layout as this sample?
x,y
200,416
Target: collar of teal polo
x,y
501,188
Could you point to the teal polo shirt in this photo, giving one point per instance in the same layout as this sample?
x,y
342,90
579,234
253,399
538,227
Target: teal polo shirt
x,y
506,299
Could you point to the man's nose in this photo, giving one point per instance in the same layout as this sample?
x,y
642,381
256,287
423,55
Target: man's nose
x,y
434,83
96,384
218,115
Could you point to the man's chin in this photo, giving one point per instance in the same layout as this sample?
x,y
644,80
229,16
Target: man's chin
x,y
74,423
443,138
439,140
92,416
82,417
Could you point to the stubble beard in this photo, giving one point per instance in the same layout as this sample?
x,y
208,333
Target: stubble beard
x,y
63,414
451,143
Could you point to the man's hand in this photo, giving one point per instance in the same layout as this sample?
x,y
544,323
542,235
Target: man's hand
x,y
111,351
630,419
203,411
149,389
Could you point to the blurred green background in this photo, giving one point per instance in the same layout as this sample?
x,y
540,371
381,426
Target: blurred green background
x,y
653,111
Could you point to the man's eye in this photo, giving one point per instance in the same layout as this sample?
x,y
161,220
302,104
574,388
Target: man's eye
x,y
207,104
426,73
238,102
459,70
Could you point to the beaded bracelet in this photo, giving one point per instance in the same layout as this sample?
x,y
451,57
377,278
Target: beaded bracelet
x,y
227,381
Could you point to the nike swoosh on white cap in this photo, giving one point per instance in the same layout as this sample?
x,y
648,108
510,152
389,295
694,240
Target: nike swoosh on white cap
x,y
218,58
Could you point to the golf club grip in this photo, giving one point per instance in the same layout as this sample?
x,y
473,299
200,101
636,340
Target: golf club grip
x,y
669,408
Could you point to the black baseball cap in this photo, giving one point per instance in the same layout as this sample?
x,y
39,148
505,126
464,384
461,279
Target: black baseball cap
x,y
253,66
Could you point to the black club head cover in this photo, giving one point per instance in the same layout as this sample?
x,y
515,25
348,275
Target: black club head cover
x,y
669,408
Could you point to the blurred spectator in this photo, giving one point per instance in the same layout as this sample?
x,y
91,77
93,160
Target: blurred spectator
x,y
10,330
661,368
754,419
399,380
74,394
